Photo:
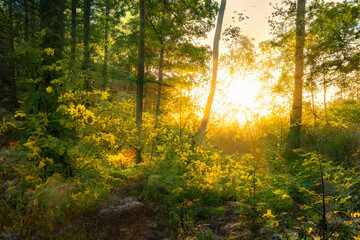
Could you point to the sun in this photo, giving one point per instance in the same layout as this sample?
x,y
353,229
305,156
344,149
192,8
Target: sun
x,y
242,93
236,97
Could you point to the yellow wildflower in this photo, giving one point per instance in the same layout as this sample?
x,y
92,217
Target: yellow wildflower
x,y
49,89
268,214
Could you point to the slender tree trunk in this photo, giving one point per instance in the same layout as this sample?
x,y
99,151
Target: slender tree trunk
x,y
73,33
87,5
107,13
12,64
325,103
160,81
140,81
33,19
294,136
26,21
26,33
313,105
158,97
206,117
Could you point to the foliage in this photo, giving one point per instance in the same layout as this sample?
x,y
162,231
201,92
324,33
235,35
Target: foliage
x,y
66,148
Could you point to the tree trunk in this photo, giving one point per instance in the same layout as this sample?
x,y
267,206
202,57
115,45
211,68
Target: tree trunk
x,y
33,19
325,103
294,136
73,33
158,97
206,117
87,85
313,105
26,21
12,63
140,81
160,80
107,13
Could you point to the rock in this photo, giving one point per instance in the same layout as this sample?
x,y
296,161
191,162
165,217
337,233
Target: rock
x,y
128,207
153,225
231,227
118,206
105,212
158,235
275,237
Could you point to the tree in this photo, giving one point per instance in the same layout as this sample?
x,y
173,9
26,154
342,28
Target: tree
x,y
241,56
12,63
141,73
206,117
73,32
106,47
87,7
171,35
294,136
332,54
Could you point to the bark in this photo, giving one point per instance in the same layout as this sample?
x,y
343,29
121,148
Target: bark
x,y
158,97
206,117
325,102
26,21
294,136
33,19
313,105
160,80
73,32
87,85
140,81
13,99
107,13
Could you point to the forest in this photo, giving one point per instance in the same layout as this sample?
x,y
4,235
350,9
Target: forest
x,y
159,119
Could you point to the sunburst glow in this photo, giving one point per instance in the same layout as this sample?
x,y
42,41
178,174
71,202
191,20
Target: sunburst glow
x,y
237,97
243,93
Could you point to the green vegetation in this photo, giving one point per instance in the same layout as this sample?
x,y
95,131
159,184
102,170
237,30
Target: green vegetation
x,y
99,136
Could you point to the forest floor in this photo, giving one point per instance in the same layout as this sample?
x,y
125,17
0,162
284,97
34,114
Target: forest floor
x,y
121,216
127,215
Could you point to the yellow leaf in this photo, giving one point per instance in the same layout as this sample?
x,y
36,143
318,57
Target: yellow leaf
x,y
20,114
284,196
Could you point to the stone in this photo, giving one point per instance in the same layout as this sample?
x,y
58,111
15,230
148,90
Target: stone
x,y
231,227
118,206
158,235
105,212
275,237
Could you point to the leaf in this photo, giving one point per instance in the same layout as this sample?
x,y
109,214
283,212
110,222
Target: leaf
x,y
343,200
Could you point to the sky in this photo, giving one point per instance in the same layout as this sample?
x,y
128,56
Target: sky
x,y
256,26
258,12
